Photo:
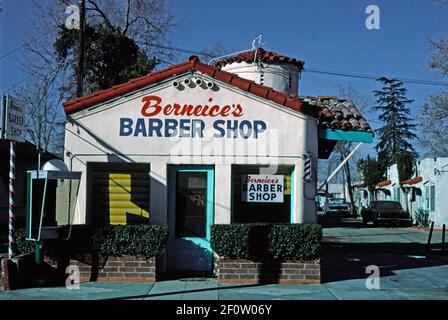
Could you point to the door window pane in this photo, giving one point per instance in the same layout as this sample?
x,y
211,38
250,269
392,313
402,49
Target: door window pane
x,y
191,202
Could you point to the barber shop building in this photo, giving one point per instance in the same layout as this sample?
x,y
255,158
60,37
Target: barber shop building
x,y
196,144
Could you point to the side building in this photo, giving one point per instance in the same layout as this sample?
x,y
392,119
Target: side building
x,y
424,193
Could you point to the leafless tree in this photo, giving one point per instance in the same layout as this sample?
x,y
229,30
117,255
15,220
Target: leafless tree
x,y
434,118
50,81
434,125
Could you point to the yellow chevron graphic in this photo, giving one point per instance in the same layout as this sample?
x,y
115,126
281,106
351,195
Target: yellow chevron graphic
x,y
120,195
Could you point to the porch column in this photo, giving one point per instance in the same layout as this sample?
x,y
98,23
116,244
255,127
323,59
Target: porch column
x,y
304,210
158,212
223,193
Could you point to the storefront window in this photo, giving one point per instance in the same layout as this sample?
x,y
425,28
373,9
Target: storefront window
x,y
261,197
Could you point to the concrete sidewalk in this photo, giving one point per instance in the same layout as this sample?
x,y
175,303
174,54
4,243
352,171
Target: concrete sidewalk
x,y
407,270
428,283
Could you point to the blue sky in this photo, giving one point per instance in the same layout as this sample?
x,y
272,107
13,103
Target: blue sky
x,y
327,35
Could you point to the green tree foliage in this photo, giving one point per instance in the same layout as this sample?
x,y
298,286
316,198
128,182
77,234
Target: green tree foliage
x,y
110,56
372,171
405,166
397,133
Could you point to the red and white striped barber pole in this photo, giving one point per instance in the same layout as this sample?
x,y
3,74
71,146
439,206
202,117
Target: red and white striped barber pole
x,y
12,178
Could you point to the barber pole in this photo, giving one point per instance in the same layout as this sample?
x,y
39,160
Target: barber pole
x,y
12,177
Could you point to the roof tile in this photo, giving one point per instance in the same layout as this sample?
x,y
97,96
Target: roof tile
x,y
338,113
331,112
412,181
384,183
262,55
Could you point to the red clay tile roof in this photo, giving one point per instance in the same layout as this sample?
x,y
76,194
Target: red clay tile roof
x,y
193,64
331,112
262,55
338,114
412,181
384,183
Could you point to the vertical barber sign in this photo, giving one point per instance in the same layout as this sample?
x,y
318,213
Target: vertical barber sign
x,y
12,128
12,122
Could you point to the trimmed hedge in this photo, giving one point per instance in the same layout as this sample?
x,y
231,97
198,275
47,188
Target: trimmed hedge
x,y
132,240
279,242
295,241
22,245
111,240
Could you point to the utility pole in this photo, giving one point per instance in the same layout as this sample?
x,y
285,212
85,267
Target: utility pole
x,y
80,65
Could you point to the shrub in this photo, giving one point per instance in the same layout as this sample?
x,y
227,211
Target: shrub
x,y
281,242
22,245
134,240
243,240
422,218
295,241
110,240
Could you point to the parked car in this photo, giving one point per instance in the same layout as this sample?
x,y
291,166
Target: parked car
x,y
337,206
386,212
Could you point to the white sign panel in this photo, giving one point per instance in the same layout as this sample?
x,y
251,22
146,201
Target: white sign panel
x,y
14,120
262,188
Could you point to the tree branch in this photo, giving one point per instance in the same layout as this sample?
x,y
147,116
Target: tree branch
x,y
103,15
126,21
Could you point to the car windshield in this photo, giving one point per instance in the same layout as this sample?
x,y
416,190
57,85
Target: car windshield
x,y
387,205
336,201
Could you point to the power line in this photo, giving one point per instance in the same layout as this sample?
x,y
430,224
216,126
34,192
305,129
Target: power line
x,y
202,53
24,45
312,70
17,83
374,77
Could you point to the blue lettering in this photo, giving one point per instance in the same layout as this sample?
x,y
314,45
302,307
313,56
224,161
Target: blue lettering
x,y
140,128
197,128
216,126
170,128
155,127
125,127
245,129
184,131
259,127
232,132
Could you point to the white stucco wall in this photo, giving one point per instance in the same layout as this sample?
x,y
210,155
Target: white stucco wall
x,y
282,77
93,136
434,172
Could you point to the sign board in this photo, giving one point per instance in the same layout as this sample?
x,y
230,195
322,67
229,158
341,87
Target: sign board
x,y
12,119
262,188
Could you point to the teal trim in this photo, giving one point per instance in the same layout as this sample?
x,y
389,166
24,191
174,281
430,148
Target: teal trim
x,y
293,195
210,206
341,135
